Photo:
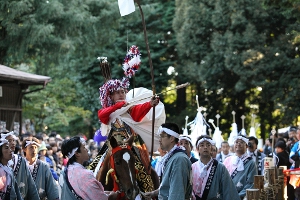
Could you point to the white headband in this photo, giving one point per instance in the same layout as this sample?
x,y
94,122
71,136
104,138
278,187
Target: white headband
x,y
72,153
8,134
31,142
3,141
240,138
206,139
184,137
168,131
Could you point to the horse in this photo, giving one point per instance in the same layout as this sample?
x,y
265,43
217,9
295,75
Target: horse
x,y
118,171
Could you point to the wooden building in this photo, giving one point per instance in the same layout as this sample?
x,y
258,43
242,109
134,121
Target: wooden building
x,y
14,84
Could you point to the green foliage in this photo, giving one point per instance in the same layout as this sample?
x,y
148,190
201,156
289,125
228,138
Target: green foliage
x,y
56,38
230,48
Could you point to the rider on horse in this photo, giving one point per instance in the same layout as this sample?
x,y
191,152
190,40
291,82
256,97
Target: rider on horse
x,y
121,119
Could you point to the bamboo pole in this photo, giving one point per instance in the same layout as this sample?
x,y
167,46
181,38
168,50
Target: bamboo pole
x,y
281,180
259,182
252,194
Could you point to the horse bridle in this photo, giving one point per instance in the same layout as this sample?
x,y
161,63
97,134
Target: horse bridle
x,y
117,185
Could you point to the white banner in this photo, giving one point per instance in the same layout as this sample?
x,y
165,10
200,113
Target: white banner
x,y
126,7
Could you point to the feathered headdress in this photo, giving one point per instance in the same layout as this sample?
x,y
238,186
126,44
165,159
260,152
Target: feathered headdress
x,y
110,85
132,61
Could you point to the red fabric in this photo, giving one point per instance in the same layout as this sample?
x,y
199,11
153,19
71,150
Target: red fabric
x,y
294,178
137,112
113,174
104,113
65,161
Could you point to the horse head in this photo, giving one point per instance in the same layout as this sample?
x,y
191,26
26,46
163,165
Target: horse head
x,y
122,163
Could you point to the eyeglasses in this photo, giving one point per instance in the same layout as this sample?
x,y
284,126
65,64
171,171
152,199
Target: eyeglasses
x,y
162,136
240,142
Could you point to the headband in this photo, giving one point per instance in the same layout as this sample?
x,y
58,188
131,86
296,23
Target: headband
x,y
72,153
240,138
3,141
5,135
184,137
168,131
31,142
206,139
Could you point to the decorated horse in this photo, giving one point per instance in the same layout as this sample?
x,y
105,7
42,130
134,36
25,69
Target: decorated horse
x,y
122,171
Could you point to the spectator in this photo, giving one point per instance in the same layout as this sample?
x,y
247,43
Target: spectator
x,y
214,151
292,138
256,155
224,152
282,154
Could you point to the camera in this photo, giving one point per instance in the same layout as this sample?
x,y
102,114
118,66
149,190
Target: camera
x,y
250,145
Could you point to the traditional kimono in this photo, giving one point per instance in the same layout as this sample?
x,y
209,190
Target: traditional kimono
x,y
24,179
242,173
8,185
137,115
193,159
221,157
82,186
133,119
215,183
44,181
176,178
258,158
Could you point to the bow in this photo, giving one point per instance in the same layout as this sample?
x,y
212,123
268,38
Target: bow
x,y
152,74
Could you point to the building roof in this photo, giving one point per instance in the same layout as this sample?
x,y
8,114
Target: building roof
x,y
8,74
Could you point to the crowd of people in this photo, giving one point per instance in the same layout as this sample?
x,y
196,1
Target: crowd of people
x,y
186,170
50,167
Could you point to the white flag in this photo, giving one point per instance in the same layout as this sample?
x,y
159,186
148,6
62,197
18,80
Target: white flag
x,y
126,7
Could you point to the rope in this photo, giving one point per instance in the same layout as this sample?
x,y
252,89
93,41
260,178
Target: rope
x,y
271,191
107,175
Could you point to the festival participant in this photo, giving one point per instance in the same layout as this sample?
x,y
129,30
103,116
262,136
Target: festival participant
x,y
214,151
76,181
40,171
186,142
121,116
241,166
8,185
21,172
211,179
256,155
156,163
224,152
176,170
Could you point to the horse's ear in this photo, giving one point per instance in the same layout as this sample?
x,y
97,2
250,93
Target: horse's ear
x,y
113,142
130,140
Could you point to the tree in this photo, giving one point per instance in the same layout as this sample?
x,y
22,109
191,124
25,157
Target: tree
x,y
235,49
55,38
130,32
